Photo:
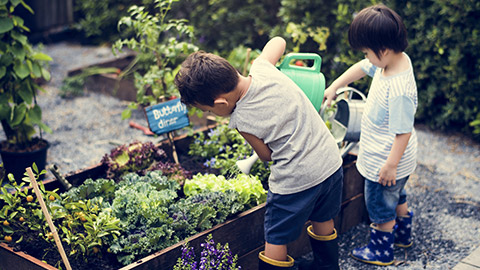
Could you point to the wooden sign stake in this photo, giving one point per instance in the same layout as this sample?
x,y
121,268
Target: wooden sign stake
x,y
174,150
49,219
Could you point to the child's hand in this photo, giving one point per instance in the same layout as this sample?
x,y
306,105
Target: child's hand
x,y
388,174
329,96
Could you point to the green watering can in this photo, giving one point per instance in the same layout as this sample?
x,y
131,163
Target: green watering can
x,y
308,78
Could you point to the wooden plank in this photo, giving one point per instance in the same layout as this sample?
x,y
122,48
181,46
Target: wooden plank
x,y
472,261
464,266
473,258
20,260
353,209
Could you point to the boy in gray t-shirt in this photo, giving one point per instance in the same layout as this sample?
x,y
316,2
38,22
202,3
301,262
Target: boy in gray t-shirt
x,y
276,118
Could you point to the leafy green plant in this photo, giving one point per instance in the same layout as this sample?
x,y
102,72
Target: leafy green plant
x,y
132,157
249,188
20,68
88,226
212,257
241,22
20,212
222,147
97,20
202,211
141,203
160,43
85,226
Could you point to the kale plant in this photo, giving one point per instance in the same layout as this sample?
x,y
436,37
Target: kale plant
x,y
141,203
203,211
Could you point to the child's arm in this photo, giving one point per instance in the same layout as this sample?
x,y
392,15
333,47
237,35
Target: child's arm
x,y
388,172
262,150
352,74
273,50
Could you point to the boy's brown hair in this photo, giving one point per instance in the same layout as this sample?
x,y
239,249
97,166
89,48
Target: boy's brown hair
x,y
378,28
203,77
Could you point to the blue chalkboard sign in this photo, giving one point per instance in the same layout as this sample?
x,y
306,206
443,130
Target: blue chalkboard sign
x,y
167,116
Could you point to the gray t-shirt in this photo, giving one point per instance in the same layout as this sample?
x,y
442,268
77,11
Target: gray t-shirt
x,y
276,110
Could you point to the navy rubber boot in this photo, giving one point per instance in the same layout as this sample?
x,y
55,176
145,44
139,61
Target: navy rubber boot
x,y
403,232
265,263
379,250
325,252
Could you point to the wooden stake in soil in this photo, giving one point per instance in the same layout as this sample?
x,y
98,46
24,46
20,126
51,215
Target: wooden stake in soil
x,y
174,150
48,218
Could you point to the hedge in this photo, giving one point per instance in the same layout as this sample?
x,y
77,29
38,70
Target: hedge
x,y
443,37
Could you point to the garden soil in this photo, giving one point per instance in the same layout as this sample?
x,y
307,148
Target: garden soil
x,y
443,193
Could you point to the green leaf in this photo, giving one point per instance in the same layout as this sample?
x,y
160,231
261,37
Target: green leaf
x,y
18,114
35,114
18,21
46,74
126,114
36,70
6,60
3,70
27,7
25,93
18,51
7,230
6,24
41,56
4,111
21,70
19,37
15,2
45,127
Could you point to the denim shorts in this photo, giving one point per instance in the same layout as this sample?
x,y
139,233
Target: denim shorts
x,y
285,215
382,200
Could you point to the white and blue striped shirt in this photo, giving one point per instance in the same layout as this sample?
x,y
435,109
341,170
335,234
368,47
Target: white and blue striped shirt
x,y
389,110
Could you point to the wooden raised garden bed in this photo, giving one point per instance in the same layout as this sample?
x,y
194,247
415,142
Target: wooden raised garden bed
x,y
243,233
110,84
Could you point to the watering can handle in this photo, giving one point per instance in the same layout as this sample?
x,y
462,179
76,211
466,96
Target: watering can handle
x,y
317,61
351,90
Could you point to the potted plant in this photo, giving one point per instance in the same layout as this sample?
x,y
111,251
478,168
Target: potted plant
x,y
21,67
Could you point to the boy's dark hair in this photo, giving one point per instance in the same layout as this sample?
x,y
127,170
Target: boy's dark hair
x,y
203,76
378,28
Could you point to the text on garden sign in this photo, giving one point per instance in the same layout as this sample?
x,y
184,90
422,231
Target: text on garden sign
x,y
167,116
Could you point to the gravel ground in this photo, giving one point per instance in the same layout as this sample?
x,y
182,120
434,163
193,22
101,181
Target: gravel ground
x,y
444,191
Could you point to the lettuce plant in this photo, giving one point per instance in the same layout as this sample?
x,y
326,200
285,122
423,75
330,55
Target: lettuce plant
x,y
133,157
249,188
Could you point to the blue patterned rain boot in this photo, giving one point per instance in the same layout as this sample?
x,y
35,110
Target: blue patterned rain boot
x,y
379,250
403,232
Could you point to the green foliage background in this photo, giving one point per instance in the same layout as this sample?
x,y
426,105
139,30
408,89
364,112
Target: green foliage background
x,y
443,37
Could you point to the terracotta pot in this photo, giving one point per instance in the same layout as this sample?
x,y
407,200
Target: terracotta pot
x,y
17,162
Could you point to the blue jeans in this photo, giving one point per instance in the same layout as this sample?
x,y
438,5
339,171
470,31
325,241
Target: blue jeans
x,y
382,201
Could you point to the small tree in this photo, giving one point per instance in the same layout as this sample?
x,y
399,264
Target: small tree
x,y
161,45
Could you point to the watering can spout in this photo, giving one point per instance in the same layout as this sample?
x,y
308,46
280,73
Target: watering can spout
x,y
245,165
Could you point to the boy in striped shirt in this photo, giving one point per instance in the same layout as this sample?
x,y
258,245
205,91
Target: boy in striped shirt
x,y
388,143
